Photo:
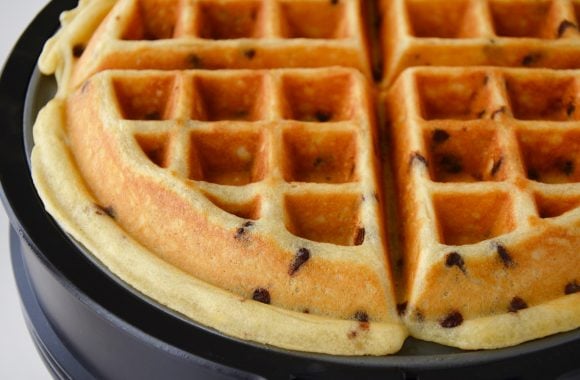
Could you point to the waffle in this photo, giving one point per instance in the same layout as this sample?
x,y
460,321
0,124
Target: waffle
x,y
264,180
514,33
208,34
488,173
228,159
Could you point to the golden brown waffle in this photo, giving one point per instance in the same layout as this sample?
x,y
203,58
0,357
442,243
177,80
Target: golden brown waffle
x,y
516,33
266,187
488,170
208,34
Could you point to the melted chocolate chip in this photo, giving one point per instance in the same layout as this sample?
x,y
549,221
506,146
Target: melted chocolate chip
x,y
250,53
155,115
567,167
194,61
570,109
455,259
109,211
572,287
498,111
496,166
439,136
301,257
452,319
361,316
78,50
564,26
451,164
504,255
418,157
323,116
360,236
377,74
400,263
242,230
517,304
261,295
402,308
531,59
533,174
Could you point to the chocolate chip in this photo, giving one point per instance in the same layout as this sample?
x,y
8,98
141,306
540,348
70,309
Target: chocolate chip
x,y
377,74
564,26
360,236
533,174
570,109
155,115
334,2
567,167
78,50
400,263
301,257
242,230
361,316
455,259
250,53
498,111
241,114
572,287
418,157
402,308
452,319
504,255
451,164
306,311
496,166
261,295
439,136
323,116
517,304
109,211
194,61
531,59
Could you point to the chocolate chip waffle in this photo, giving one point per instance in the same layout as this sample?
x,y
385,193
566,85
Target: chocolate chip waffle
x,y
515,33
488,169
265,186
213,155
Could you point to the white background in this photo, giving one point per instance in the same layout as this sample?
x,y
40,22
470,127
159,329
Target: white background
x,y
18,356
